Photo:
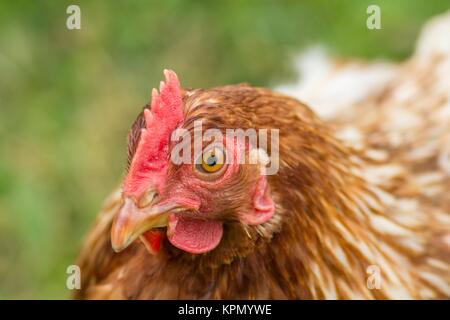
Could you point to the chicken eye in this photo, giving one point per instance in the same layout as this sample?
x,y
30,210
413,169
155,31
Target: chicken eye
x,y
213,159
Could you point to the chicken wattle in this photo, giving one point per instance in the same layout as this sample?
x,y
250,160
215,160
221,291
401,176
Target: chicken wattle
x,y
361,190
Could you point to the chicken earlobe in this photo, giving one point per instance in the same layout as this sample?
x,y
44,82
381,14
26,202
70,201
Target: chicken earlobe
x,y
263,205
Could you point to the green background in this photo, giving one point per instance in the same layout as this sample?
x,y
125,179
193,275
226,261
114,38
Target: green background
x,y
67,98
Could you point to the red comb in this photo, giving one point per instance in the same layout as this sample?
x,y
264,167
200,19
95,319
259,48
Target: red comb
x,y
149,164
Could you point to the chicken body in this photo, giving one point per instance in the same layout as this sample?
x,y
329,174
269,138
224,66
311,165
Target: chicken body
x,y
359,194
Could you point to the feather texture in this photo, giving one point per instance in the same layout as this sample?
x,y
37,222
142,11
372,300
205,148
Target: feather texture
x,y
365,186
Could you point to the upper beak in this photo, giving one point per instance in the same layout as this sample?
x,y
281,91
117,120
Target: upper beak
x,y
132,221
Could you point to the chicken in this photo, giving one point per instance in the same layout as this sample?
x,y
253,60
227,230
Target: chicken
x,y
361,192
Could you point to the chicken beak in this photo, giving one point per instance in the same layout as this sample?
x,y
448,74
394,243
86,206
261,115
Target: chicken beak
x,y
132,221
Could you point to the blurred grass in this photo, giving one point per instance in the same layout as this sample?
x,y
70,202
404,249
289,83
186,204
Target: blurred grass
x,y
67,98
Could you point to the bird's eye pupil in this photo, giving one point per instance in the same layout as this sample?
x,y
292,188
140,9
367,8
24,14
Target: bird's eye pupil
x,y
211,161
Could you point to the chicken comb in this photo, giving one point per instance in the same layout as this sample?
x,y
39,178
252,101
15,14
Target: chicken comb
x,y
149,164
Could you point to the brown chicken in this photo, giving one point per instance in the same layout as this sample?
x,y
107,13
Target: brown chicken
x,y
359,208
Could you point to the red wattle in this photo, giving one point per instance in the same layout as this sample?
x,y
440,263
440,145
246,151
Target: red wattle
x,y
194,235
152,240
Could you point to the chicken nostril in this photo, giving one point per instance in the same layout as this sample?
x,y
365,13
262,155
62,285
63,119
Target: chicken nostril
x,y
147,198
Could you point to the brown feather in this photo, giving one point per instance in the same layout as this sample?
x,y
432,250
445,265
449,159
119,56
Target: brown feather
x,y
365,188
